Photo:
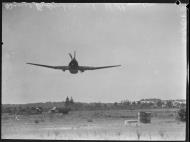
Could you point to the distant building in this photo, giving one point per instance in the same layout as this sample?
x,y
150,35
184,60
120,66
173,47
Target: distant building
x,y
152,100
175,103
178,103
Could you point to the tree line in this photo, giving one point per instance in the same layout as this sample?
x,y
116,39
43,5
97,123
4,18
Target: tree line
x,y
70,104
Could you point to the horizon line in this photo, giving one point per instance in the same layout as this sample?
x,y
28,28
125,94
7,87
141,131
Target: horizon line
x,y
88,102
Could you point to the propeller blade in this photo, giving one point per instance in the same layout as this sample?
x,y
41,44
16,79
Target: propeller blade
x,y
70,56
74,54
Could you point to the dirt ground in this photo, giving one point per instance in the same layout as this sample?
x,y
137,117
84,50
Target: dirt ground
x,y
92,125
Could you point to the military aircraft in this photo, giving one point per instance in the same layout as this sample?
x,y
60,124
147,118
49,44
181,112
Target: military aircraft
x,y
73,66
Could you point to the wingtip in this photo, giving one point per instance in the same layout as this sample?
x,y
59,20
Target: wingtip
x,y
30,63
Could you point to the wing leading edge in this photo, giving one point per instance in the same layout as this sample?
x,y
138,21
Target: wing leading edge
x,y
53,67
83,68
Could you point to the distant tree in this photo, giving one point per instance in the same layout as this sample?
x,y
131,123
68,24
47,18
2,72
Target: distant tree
x,y
67,101
3,109
138,102
13,110
97,105
159,103
134,103
182,105
115,104
181,114
63,110
105,106
126,103
146,105
8,110
71,101
169,104
22,110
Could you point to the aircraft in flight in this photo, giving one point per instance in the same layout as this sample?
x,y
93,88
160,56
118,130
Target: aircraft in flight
x,y
73,66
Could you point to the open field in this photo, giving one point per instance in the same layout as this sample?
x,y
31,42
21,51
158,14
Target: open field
x,y
101,125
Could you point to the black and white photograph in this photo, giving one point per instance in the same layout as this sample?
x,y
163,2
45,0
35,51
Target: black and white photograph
x,y
94,71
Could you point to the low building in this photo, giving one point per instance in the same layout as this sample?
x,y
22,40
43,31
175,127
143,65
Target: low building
x,y
178,103
152,100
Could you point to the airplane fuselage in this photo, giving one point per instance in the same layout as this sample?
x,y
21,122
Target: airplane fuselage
x,y
73,66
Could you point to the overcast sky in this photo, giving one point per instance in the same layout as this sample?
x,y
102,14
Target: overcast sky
x,y
147,40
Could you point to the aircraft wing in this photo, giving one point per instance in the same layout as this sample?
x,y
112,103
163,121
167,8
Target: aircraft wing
x,y
83,68
53,67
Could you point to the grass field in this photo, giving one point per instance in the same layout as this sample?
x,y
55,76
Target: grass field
x,y
90,125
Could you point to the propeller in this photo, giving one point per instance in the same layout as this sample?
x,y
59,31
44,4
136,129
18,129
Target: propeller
x,y
74,54
70,56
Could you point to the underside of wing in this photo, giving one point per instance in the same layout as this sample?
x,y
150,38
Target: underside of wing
x,y
53,67
83,68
